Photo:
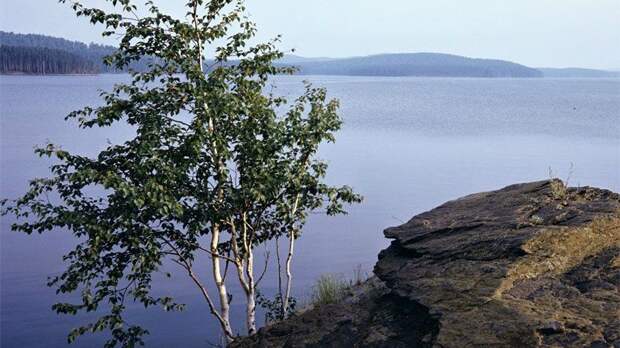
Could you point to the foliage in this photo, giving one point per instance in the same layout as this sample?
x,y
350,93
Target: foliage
x,y
274,308
213,168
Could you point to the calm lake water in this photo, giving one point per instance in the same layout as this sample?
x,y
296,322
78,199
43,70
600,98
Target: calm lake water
x,y
408,144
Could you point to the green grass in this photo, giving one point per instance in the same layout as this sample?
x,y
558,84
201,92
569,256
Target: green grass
x,y
332,288
329,288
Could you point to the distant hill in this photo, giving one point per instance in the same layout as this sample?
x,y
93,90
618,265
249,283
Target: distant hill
x,y
293,59
578,72
70,54
417,64
43,61
41,54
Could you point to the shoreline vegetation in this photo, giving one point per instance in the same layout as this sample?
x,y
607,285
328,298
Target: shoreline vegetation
x,y
33,54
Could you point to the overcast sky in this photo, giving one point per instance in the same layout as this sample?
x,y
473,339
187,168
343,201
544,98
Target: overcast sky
x,y
539,33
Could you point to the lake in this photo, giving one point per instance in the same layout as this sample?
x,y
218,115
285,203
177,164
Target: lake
x,y
408,144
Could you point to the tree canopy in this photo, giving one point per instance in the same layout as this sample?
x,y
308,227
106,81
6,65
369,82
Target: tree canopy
x,y
217,166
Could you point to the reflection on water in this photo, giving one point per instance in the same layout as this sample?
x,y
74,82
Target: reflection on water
x,y
408,144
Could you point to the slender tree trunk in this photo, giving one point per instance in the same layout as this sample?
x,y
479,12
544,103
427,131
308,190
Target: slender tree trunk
x,y
250,284
279,276
244,263
251,312
251,295
220,284
222,317
289,260
289,274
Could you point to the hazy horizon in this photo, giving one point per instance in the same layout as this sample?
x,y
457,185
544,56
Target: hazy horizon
x,y
536,33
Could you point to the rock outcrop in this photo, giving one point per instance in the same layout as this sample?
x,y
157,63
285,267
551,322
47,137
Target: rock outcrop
x,y
530,265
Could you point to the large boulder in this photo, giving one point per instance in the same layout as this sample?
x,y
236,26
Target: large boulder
x,y
530,265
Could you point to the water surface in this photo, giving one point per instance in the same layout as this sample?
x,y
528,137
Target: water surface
x,y
408,144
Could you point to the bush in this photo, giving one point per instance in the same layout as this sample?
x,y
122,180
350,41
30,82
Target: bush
x,y
274,310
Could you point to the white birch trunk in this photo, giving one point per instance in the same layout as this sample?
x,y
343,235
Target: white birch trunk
x,y
251,295
221,285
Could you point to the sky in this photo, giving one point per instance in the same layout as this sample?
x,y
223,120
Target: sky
x,y
538,33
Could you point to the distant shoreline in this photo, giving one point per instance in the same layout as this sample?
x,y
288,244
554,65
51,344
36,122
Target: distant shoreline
x,y
367,76
34,54
71,74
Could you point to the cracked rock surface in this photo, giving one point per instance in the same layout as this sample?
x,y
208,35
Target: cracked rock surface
x,y
530,265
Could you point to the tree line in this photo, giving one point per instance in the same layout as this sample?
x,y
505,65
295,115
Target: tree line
x,y
43,61
41,54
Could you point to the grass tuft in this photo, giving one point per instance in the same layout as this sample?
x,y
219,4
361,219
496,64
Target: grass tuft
x,y
329,288
559,187
333,288
359,276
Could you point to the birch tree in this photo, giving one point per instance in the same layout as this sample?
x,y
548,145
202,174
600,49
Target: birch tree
x,y
217,166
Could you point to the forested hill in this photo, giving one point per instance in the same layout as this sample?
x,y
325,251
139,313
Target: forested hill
x,y
41,54
43,61
417,64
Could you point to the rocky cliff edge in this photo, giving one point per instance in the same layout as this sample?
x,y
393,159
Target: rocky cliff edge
x,y
530,265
